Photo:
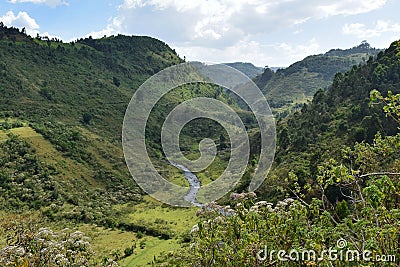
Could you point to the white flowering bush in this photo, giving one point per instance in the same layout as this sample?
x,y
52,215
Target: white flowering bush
x,y
233,235
48,248
27,246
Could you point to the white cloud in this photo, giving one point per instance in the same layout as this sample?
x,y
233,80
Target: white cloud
x,y
279,54
226,27
351,7
113,28
224,22
362,31
21,20
301,50
51,3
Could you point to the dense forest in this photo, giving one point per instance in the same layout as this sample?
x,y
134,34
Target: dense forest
x,y
67,198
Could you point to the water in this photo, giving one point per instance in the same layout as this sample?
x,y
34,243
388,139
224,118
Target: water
x,y
194,184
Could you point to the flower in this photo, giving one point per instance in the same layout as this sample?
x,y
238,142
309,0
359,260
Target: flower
x,y
195,229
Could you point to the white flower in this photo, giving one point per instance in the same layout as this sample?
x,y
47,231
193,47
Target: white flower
x,y
195,229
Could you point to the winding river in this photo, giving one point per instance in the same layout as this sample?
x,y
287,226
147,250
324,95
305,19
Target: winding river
x,y
194,184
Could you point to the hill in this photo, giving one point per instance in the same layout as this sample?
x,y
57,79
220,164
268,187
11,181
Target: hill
x,y
247,68
337,118
61,112
292,86
335,183
62,107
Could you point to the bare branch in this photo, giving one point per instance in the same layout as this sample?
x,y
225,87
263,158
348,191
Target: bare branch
x,y
378,173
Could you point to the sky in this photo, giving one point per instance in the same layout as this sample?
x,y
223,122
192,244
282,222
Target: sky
x,y
273,33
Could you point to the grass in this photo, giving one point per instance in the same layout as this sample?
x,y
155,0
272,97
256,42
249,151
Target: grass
x,y
107,241
152,249
151,212
68,169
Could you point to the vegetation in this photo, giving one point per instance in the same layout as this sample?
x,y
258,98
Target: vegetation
x,y
359,224
289,88
336,118
61,112
335,177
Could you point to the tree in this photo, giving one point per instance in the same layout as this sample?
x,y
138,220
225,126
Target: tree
x,y
87,118
222,142
116,81
364,222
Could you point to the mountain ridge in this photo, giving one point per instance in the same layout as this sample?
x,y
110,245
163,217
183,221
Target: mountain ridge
x,y
288,88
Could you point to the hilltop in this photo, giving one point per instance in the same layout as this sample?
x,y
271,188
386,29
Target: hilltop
x,y
294,85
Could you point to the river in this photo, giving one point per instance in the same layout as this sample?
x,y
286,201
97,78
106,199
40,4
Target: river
x,y
194,184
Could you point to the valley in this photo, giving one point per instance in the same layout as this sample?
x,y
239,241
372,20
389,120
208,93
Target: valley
x,y
62,105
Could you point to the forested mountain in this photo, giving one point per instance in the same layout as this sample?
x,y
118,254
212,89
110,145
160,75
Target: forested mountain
x,y
334,187
338,117
61,112
247,68
61,161
66,81
62,165
293,85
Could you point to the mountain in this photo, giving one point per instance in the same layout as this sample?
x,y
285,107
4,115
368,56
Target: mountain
x,y
292,86
247,68
337,118
73,96
62,107
61,161
61,110
334,183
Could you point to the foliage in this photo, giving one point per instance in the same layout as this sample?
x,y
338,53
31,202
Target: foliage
x,y
29,246
240,236
335,119
391,101
353,211
7,125
65,139
24,180
294,85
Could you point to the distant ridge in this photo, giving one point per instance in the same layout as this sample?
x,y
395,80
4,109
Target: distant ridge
x,y
297,83
247,68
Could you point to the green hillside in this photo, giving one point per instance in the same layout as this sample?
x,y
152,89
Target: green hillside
x,y
61,161
336,118
65,188
292,86
332,195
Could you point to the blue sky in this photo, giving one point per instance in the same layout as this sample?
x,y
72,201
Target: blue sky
x,y
263,32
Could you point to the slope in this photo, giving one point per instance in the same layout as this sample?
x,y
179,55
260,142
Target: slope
x,y
336,118
292,86
61,112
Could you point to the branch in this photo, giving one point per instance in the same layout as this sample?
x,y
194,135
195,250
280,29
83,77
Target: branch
x,y
298,197
379,173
